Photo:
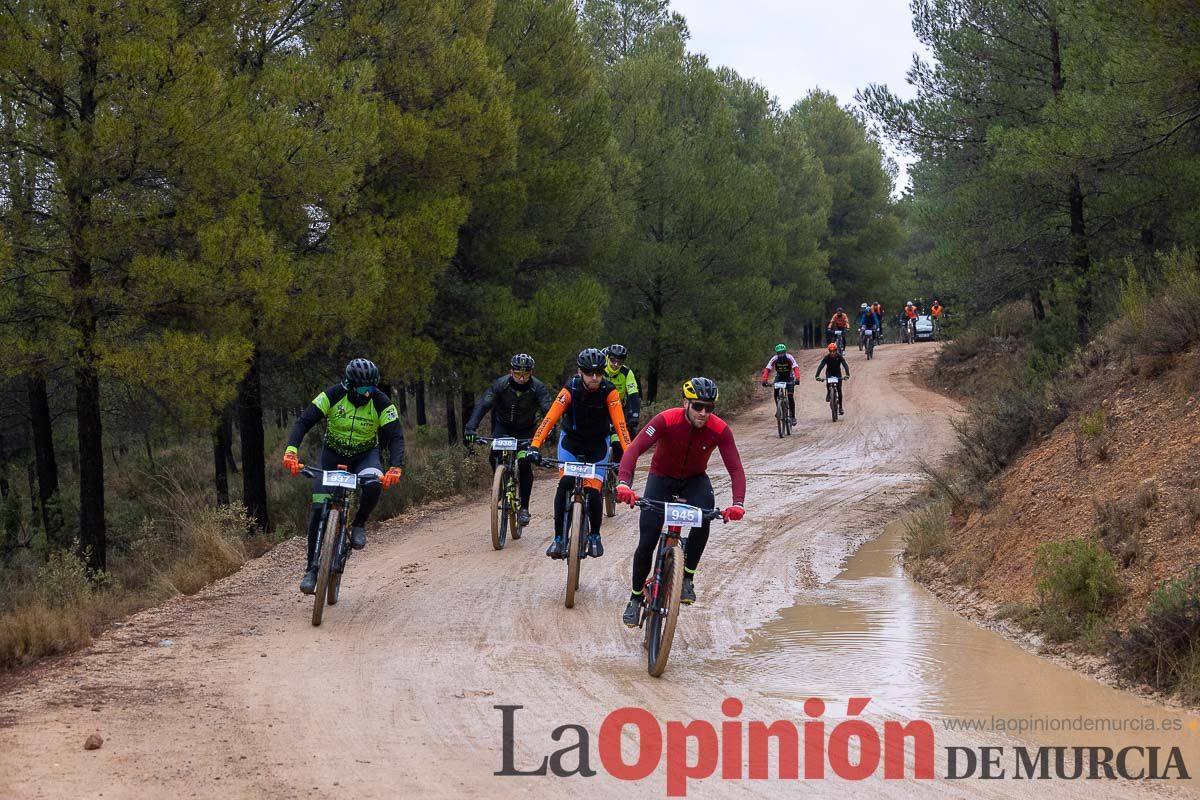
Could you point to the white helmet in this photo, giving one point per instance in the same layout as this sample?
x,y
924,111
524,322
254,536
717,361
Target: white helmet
x,y
864,305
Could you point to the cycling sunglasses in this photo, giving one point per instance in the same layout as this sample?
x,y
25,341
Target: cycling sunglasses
x,y
521,373
592,372
698,405
364,390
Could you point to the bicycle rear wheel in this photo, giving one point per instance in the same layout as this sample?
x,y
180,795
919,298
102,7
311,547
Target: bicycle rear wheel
x,y
610,492
576,535
666,615
510,503
332,525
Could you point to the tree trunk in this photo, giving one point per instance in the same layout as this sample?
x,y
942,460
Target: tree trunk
x,y
250,427
468,405
401,398
1039,310
93,535
43,454
1081,260
451,423
227,438
220,465
420,401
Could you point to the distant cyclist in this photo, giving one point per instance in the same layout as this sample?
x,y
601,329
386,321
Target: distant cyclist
x,y
515,401
623,378
838,322
786,370
357,414
684,439
833,364
587,405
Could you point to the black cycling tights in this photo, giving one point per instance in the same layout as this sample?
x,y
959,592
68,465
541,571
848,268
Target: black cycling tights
x,y
595,507
696,491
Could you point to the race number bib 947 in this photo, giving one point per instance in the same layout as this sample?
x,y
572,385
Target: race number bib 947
x,y
576,469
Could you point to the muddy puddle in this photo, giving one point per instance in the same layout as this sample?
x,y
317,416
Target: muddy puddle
x,y
873,632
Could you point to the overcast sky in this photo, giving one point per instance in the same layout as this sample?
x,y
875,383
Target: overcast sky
x,y
792,46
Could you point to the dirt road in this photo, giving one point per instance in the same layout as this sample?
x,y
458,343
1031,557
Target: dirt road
x,y
395,695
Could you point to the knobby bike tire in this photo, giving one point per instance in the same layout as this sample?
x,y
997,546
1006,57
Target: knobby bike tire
x,y
780,415
332,523
498,509
610,493
575,538
510,499
833,403
670,591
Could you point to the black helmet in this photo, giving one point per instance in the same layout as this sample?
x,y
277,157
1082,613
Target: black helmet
x,y
616,351
361,372
522,361
700,389
590,358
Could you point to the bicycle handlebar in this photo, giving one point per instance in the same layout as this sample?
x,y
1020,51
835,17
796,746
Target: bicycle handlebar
x,y
313,472
489,439
660,505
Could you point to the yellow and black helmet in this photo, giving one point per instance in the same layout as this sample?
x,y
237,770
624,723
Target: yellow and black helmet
x,y
700,389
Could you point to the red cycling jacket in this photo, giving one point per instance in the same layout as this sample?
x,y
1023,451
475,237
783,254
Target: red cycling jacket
x,y
683,450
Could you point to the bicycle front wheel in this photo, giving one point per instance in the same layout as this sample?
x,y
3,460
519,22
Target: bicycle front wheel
x,y
780,415
666,613
576,539
499,509
332,525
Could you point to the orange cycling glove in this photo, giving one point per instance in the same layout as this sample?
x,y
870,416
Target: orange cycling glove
x,y
392,477
291,462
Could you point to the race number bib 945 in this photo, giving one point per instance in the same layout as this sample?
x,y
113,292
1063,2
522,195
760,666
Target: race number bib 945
x,y
684,516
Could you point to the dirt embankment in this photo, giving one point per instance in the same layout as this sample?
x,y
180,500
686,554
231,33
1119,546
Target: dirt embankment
x,y
1120,470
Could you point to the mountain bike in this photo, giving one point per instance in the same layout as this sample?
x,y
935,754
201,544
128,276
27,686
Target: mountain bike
x,y
664,585
333,538
783,418
839,336
831,394
869,343
576,522
609,490
910,331
505,499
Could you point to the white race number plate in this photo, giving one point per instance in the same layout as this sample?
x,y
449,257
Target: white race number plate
x,y
577,469
780,385
831,380
505,444
337,478
684,516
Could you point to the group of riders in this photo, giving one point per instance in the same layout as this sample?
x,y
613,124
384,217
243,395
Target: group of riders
x,y
598,412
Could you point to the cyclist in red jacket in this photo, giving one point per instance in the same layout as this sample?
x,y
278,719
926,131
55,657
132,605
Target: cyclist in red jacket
x,y
685,439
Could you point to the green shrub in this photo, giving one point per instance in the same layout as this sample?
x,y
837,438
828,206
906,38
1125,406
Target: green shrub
x,y
1120,521
1092,425
1075,578
926,535
1163,648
